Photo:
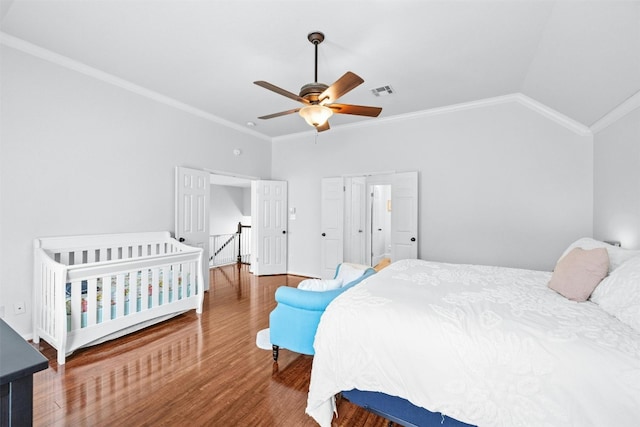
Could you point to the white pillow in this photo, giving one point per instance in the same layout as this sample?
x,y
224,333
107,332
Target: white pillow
x,y
619,293
320,285
348,273
617,255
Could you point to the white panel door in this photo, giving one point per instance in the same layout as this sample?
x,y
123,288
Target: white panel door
x,y
192,212
356,221
404,216
270,227
331,225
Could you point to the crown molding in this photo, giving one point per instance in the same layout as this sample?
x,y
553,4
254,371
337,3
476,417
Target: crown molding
x,y
408,116
66,62
551,114
554,115
627,106
71,64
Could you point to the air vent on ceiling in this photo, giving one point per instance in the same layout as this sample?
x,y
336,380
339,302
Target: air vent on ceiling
x,y
382,91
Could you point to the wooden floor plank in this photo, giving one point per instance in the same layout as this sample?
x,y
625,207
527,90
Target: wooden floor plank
x,y
196,370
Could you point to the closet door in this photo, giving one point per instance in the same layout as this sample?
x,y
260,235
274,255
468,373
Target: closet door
x,y
332,225
404,216
192,212
355,220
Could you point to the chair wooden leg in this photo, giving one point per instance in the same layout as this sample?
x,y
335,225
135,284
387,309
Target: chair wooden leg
x,y
275,349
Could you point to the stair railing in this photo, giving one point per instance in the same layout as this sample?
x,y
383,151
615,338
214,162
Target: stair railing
x,y
232,248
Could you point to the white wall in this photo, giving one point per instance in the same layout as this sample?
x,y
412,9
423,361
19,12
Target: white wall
x,y
498,185
228,208
80,156
616,211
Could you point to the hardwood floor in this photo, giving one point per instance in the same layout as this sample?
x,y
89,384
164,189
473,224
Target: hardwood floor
x,y
191,370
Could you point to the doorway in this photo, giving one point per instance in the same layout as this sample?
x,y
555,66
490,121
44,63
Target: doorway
x,y
229,220
392,228
380,224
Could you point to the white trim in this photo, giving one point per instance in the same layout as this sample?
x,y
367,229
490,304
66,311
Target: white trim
x,y
553,115
407,116
311,276
520,98
578,128
627,106
71,64
368,174
233,175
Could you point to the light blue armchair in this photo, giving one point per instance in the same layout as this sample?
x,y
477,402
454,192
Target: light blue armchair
x,y
294,321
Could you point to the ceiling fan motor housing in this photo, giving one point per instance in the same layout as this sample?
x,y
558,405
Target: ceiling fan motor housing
x,y
312,91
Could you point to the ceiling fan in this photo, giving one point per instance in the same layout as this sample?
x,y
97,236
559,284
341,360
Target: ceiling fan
x,y
319,99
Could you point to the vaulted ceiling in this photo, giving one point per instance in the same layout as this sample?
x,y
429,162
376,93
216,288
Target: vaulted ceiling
x,y
580,58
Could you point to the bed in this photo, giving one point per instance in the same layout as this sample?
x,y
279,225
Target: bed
x,y
487,346
89,289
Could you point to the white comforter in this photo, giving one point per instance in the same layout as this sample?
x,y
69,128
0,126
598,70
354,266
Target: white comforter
x,y
488,346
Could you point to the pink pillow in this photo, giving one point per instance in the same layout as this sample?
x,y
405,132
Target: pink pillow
x,y
578,273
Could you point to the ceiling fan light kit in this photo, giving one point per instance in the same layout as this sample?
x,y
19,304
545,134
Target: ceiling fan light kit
x,y
316,115
319,99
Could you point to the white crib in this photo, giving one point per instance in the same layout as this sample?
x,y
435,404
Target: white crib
x,y
89,289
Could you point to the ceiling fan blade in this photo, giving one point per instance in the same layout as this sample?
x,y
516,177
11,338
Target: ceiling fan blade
x,y
358,110
281,91
324,127
281,113
341,86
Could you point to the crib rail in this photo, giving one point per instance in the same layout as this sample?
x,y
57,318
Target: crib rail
x,y
86,293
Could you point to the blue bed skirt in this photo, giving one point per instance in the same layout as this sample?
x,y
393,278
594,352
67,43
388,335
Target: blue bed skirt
x,y
399,410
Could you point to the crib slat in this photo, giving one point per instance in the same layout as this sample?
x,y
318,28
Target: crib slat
x,y
134,291
144,289
76,305
167,285
194,289
106,298
120,295
92,301
155,287
101,254
175,281
183,280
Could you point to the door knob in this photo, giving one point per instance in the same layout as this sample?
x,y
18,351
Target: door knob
x,y
413,239
324,234
284,232
359,231
181,239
